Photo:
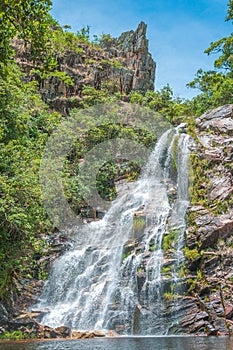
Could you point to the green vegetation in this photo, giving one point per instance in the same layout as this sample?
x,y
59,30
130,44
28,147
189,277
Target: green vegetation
x,y
191,254
170,240
17,335
26,123
24,127
29,21
163,101
125,255
216,85
169,296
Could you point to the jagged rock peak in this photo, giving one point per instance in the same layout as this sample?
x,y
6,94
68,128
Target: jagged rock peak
x,y
133,46
134,40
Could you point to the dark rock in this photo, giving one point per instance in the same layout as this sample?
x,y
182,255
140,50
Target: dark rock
x,y
220,324
141,277
198,326
204,291
17,323
3,315
2,330
211,330
202,316
48,332
210,264
229,312
64,331
193,265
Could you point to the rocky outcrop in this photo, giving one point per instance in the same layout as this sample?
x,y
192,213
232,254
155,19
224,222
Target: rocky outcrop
x,y
210,223
213,216
27,326
120,65
133,48
26,291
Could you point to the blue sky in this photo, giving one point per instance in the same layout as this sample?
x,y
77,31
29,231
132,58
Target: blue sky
x,y
178,31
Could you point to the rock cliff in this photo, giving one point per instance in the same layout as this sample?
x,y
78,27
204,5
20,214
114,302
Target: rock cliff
x,y
210,225
116,65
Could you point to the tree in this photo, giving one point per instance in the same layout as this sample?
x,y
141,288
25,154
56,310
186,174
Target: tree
x,y
216,85
30,21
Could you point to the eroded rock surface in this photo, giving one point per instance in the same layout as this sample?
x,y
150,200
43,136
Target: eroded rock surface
x,y
210,228
123,65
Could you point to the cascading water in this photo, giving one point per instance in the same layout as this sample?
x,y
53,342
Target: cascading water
x,y
116,280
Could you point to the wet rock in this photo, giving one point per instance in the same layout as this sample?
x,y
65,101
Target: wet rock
x,y
211,330
129,247
65,332
2,330
220,325
88,335
99,334
82,335
48,332
112,333
3,315
77,335
141,278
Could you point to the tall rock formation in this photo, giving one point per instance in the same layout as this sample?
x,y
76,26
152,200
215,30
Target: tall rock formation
x,y
117,65
133,47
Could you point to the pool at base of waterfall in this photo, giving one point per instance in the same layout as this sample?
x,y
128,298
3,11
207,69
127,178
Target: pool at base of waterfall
x,y
127,343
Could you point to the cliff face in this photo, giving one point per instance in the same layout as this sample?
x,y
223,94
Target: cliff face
x,y
210,225
119,65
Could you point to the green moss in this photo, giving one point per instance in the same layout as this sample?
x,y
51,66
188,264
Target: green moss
x,y
174,154
139,223
166,269
125,255
191,254
152,248
170,240
168,296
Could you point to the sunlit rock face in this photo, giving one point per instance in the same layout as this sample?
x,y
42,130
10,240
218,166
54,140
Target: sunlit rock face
x,y
133,47
210,229
122,65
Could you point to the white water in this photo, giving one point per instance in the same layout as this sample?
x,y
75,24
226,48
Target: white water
x,y
100,285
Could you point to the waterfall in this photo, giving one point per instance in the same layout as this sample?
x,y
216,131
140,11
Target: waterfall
x,y
116,280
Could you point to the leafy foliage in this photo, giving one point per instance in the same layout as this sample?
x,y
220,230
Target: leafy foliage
x,y
25,126
216,86
30,21
163,101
